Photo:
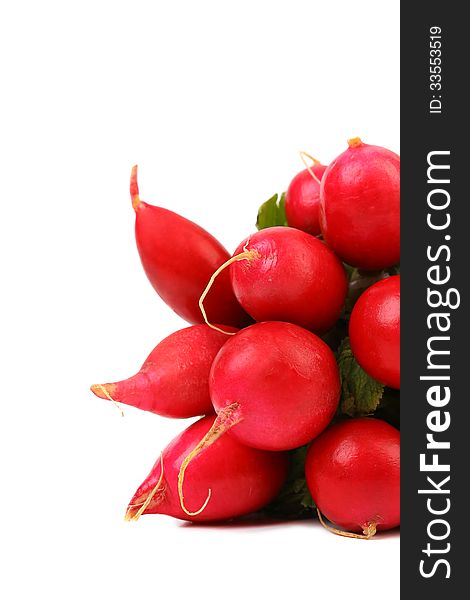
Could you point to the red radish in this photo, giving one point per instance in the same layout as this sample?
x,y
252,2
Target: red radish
x,y
179,257
174,379
360,206
374,331
274,385
303,199
283,380
240,479
353,473
283,274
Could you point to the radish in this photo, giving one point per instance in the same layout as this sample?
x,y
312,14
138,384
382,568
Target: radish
x,y
284,380
360,206
303,199
374,331
174,379
240,479
283,274
274,385
179,257
353,473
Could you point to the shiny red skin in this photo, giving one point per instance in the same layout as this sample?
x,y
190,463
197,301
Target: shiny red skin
x,y
179,258
360,206
293,278
241,479
374,331
285,379
353,473
303,200
174,379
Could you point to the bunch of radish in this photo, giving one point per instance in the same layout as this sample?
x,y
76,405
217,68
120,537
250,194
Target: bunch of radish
x,y
291,359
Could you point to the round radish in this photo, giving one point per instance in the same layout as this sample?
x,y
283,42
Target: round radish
x,y
374,331
240,479
353,473
303,200
360,206
283,274
179,257
284,381
174,379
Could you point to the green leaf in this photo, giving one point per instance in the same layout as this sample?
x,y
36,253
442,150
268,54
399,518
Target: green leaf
x,y
360,394
359,282
272,212
395,270
349,270
389,407
294,500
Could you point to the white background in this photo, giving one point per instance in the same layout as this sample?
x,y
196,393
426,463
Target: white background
x,y
213,100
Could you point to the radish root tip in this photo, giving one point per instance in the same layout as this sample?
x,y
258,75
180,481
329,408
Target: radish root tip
x,y
368,530
102,388
135,516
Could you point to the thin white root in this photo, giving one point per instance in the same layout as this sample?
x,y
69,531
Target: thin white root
x,y
303,156
227,418
369,529
245,255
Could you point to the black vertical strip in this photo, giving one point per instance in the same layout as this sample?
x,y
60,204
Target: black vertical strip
x,y
423,132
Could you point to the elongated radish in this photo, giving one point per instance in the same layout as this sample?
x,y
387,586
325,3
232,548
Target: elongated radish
x,y
179,257
360,206
240,479
283,274
174,379
353,474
